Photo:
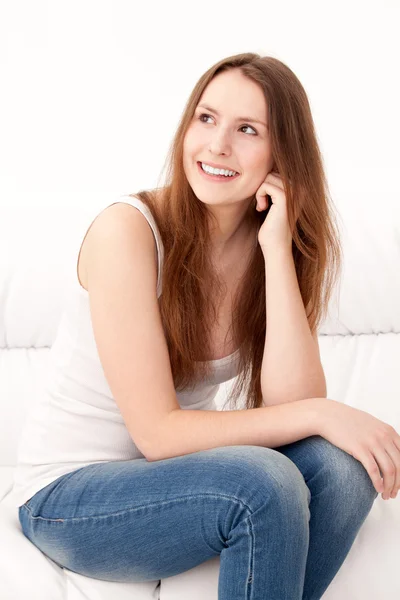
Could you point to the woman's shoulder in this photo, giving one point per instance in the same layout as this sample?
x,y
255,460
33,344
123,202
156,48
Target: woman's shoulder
x,y
112,211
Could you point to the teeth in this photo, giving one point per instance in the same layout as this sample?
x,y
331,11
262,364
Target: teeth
x,y
213,171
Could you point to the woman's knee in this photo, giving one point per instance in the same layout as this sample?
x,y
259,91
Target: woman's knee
x,y
342,470
257,473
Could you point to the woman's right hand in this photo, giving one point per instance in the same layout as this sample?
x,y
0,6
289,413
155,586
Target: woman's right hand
x,y
374,443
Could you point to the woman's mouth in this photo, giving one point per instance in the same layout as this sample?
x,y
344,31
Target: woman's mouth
x,y
216,178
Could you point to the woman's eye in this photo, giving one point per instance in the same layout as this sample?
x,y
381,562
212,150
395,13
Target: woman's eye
x,y
201,117
249,127
243,127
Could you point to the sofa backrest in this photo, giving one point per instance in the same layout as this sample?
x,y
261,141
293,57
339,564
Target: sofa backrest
x,y
36,247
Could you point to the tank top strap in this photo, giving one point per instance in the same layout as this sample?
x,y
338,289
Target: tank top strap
x,y
145,210
90,216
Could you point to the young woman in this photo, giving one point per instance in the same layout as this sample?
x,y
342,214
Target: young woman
x,y
212,276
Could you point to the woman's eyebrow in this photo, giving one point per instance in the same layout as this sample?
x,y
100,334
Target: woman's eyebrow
x,y
238,118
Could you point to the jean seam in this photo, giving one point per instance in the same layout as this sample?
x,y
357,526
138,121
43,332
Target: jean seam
x,y
147,505
251,565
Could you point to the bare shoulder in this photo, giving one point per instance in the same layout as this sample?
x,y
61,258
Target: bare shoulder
x,y
118,217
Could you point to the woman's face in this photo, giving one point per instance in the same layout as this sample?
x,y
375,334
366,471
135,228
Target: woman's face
x,y
231,138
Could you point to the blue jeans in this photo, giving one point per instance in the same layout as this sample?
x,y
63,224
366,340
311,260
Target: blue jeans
x,y
282,520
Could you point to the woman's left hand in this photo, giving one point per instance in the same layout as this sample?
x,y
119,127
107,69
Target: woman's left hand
x,y
275,230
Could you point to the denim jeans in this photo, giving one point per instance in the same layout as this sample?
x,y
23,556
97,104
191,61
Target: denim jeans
x,y
282,520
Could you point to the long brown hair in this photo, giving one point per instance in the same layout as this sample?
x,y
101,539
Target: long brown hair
x,y
191,287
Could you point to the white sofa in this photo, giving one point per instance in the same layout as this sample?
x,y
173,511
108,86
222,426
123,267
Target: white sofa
x,y
360,352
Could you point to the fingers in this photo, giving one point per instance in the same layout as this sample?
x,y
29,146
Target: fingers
x,y
396,442
381,459
394,454
387,457
371,466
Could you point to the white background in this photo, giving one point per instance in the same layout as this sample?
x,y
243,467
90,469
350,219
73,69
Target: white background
x,y
92,91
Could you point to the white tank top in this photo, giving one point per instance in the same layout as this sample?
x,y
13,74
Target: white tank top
x,y
75,421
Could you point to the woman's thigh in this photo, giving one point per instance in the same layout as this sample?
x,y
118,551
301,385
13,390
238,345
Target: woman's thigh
x,y
137,520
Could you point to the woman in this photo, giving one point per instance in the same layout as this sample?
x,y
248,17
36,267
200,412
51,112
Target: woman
x,y
255,244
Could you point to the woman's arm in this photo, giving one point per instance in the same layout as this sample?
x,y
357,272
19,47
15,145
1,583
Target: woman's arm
x,y
291,367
